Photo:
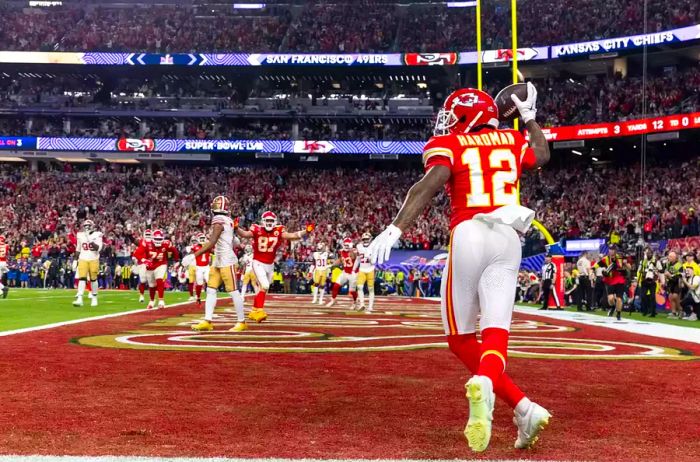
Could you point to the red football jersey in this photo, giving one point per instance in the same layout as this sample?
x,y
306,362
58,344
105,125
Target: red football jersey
x,y
4,250
266,243
156,256
347,257
486,168
202,260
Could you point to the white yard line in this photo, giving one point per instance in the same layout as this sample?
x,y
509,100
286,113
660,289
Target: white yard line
x,y
654,329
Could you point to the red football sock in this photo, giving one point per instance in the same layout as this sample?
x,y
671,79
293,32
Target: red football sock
x,y
199,291
160,284
494,352
467,348
152,293
353,294
335,290
259,301
142,288
89,286
190,286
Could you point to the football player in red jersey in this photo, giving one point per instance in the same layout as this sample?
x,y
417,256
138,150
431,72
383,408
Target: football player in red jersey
x,y
147,237
267,238
202,263
4,252
155,255
346,259
481,167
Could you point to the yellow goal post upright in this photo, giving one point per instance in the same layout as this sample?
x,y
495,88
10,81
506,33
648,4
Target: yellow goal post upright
x,y
480,79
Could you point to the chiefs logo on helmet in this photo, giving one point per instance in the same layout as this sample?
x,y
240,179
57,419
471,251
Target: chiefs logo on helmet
x,y
464,110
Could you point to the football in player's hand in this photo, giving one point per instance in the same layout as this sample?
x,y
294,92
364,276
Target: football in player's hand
x,y
507,110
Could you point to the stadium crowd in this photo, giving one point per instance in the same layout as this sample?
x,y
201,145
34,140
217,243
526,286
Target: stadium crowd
x,y
363,26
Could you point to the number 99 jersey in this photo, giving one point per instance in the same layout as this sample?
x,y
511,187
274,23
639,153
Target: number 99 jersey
x,y
266,243
486,166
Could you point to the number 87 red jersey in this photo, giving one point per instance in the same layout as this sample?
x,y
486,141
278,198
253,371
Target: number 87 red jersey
x,y
486,168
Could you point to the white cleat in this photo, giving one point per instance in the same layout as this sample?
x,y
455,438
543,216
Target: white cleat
x,y
94,301
150,306
78,301
530,425
191,299
331,303
161,304
90,295
481,401
141,299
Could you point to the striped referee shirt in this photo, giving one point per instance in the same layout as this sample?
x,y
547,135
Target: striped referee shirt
x,y
548,271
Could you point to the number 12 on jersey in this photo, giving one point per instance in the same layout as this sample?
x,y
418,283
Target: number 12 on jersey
x,y
501,172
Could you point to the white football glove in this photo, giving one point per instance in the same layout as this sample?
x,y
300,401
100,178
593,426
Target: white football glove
x,y
527,108
381,246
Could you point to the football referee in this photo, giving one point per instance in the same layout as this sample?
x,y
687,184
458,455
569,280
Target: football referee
x,y
549,273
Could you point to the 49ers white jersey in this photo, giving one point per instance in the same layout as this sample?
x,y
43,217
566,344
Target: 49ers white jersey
x,y
223,250
84,241
321,260
365,258
247,263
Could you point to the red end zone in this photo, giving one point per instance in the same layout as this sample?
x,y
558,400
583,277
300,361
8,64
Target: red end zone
x,y
320,383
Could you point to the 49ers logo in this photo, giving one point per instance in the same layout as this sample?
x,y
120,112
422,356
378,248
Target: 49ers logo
x,y
135,145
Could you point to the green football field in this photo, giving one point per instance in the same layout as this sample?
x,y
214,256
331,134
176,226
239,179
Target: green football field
x,y
35,307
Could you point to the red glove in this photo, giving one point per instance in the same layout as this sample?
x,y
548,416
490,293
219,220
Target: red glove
x,y
150,265
236,222
310,227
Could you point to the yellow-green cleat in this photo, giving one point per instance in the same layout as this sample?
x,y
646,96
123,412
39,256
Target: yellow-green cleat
x,y
203,326
481,401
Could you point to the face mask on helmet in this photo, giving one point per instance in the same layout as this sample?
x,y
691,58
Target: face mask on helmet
x,y
220,205
88,225
249,249
269,220
366,238
148,235
202,239
347,244
158,238
464,110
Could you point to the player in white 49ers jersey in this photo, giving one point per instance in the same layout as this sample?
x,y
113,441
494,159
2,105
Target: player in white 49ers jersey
x,y
267,239
366,272
481,165
348,276
88,247
4,252
223,241
248,274
320,273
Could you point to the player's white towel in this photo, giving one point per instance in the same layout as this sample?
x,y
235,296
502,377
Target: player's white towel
x,y
516,216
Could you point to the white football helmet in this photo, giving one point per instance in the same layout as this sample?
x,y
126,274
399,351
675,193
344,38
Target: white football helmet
x,y
347,243
366,238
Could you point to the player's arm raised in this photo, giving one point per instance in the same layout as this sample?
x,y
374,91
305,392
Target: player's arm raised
x,y
417,199
528,112
299,234
216,231
240,231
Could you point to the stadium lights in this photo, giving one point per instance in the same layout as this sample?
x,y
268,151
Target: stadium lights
x,y
12,159
611,149
461,4
248,6
578,153
595,159
123,161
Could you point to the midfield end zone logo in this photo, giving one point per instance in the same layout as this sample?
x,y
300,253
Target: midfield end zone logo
x,y
293,330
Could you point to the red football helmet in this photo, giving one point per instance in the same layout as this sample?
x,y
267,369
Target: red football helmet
x,y
269,220
2,239
147,235
464,110
158,237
